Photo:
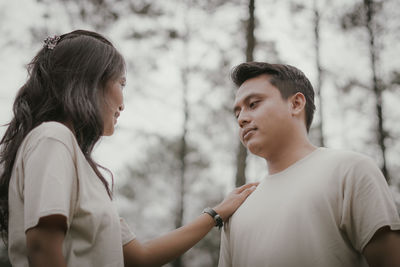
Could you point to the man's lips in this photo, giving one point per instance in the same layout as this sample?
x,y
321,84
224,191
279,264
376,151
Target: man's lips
x,y
247,133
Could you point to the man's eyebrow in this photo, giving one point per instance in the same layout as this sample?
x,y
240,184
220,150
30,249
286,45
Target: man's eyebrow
x,y
246,99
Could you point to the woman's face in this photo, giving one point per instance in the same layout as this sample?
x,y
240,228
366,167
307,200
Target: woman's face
x,y
112,104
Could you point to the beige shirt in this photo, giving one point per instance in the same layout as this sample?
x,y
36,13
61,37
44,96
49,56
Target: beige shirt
x,y
52,176
320,212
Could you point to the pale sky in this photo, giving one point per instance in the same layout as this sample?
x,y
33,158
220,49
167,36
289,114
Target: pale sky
x,y
159,110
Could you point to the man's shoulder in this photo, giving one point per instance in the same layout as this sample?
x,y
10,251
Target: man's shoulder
x,y
344,155
347,161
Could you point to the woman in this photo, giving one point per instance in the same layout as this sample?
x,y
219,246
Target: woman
x,y
56,207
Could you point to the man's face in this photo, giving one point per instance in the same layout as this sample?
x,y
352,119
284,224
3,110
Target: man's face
x,y
263,116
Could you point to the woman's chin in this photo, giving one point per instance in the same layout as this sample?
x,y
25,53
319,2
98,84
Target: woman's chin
x,y
109,131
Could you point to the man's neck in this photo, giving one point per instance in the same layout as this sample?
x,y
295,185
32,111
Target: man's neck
x,y
288,155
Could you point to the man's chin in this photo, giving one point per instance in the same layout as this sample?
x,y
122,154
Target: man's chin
x,y
254,148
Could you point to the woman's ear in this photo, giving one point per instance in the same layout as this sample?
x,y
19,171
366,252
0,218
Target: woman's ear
x,y
297,103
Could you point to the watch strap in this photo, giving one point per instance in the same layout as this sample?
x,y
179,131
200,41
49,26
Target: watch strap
x,y
218,220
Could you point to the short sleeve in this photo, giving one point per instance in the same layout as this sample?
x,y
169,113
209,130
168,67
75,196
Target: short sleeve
x,y
368,203
50,182
126,234
225,259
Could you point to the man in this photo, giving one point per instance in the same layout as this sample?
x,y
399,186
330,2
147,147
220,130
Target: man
x,y
317,206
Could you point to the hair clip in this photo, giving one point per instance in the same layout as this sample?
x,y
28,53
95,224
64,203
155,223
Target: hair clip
x,y
51,42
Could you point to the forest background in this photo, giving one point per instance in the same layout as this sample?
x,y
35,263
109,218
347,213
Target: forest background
x,y
176,148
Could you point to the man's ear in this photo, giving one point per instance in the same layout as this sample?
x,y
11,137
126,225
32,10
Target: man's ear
x,y
297,103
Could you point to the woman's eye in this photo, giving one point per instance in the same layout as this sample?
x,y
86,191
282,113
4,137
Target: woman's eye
x,y
122,81
253,104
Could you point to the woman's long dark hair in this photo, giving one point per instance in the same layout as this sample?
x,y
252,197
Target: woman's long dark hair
x,y
64,85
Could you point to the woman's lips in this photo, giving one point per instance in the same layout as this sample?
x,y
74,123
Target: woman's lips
x,y
116,115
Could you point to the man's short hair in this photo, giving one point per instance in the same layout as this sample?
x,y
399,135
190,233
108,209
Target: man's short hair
x,y
288,79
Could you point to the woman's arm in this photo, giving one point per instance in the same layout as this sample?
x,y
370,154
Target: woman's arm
x,y
383,249
44,242
168,247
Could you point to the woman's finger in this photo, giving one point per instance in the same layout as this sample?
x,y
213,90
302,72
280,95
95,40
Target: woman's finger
x,y
248,191
246,186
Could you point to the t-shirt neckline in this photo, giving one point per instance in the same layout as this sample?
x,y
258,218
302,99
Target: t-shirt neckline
x,y
303,159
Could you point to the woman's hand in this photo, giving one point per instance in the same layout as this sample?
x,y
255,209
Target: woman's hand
x,y
161,250
233,201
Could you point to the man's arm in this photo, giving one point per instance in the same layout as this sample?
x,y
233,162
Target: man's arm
x,y
384,249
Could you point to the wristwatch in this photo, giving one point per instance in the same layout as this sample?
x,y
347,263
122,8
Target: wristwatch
x,y
218,220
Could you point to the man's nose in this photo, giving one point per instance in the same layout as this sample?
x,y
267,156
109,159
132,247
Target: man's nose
x,y
243,119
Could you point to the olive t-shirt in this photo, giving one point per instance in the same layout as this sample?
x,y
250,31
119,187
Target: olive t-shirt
x,y
51,176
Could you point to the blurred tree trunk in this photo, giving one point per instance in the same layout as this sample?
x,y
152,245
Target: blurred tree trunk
x,y
363,15
183,143
318,87
182,156
251,42
369,9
